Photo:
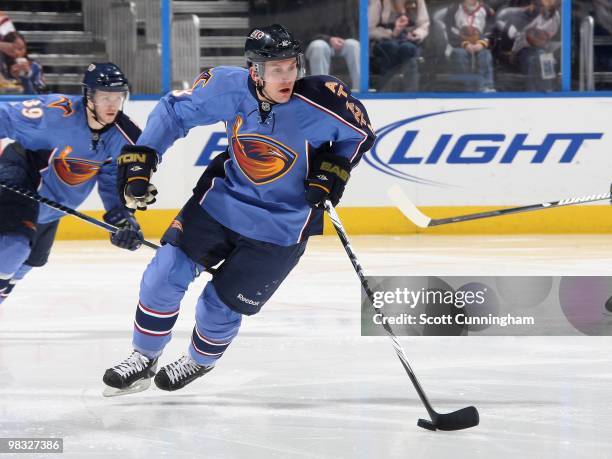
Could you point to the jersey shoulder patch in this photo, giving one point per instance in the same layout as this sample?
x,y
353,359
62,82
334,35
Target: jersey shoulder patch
x,y
218,77
202,79
61,104
325,90
128,128
216,82
333,95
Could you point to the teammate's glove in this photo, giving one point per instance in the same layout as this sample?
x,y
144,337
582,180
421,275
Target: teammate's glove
x,y
129,236
135,165
327,179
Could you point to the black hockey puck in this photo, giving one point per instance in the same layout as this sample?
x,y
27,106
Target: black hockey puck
x,y
425,424
609,304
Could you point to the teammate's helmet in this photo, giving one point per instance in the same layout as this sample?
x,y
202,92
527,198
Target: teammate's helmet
x,y
104,77
271,43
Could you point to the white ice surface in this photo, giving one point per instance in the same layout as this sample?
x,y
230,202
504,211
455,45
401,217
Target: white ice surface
x,y
300,381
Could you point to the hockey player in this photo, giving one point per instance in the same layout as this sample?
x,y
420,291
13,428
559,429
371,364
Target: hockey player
x,y
63,146
293,142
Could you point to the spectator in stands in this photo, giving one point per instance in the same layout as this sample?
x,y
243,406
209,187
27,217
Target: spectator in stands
x,y
535,44
397,30
498,5
327,29
603,28
6,26
15,64
468,28
603,14
336,37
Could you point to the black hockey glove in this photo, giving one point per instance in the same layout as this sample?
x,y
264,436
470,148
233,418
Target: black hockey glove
x,y
327,179
129,236
135,165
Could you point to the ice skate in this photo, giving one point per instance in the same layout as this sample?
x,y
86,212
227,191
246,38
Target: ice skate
x,y
177,375
130,376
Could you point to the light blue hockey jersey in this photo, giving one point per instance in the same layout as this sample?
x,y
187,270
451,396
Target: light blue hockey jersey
x,y
70,156
271,147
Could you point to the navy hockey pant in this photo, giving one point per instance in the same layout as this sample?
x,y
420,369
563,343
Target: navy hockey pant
x,y
249,273
23,242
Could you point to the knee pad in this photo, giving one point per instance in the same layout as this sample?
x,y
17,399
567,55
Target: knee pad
x,y
42,244
14,250
212,312
166,279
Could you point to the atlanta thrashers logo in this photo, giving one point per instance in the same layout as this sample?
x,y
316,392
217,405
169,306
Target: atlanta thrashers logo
x,y
64,104
260,158
74,171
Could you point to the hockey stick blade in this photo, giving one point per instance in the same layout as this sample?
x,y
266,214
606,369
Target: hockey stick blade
x,y
457,420
413,214
406,206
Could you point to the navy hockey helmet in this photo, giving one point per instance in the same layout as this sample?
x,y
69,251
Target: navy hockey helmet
x,y
272,43
104,77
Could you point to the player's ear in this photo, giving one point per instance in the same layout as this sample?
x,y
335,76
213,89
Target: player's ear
x,y
254,75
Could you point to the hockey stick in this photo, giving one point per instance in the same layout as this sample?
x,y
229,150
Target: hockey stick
x,y
460,419
420,219
67,210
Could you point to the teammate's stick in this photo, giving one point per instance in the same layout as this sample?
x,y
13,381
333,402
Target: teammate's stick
x,y
460,419
67,210
420,219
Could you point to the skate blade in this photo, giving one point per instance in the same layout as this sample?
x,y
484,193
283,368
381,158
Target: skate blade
x,y
139,386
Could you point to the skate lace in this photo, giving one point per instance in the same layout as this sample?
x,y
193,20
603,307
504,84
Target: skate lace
x,y
182,368
135,362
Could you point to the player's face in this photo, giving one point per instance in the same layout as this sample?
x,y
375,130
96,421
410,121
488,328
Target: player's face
x,y
280,77
108,104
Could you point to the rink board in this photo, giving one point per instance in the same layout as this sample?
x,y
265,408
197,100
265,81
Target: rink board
x,y
450,156
386,220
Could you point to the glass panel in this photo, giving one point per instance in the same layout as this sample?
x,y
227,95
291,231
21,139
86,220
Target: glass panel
x,y
464,46
592,45
205,35
329,33
64,37
327,29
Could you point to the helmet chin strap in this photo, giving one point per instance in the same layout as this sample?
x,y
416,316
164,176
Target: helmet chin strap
x,y
94,112
260,90
94,115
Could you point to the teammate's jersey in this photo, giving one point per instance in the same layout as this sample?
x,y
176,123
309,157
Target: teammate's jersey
x,y
69,155
271,147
